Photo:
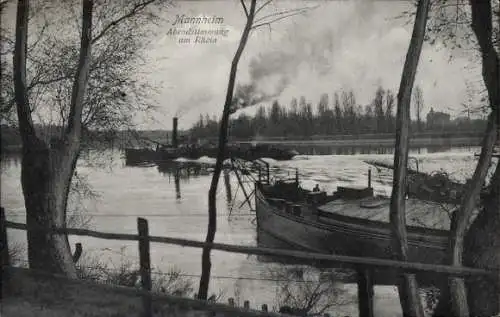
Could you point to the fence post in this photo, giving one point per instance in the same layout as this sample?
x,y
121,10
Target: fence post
x,y
3,242
78,252
268,175
369,178
227,183
145,265
365,292
5,261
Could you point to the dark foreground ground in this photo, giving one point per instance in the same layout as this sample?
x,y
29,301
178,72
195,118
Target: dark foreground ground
x,y
34,294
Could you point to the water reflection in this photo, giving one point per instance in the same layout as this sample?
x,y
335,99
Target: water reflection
x,y
182,171
227,185
10,160
177,185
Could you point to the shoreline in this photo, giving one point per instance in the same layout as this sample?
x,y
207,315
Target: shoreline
x,y
349,141
382,142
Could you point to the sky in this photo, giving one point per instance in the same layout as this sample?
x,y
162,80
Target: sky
x,y
335,45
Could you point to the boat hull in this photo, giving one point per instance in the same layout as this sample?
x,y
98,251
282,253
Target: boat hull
x,y
140,156
280,228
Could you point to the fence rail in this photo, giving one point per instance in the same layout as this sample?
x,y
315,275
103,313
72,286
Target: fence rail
x,y
363,265
312,257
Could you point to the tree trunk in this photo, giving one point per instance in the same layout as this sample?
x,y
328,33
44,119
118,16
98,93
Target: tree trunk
x,y
462,218
487,221
408,287
483,29
47,170
482,239
46,178
221,153
470,240
482,245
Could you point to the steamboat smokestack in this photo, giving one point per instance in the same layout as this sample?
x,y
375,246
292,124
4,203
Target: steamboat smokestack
x,y
175,142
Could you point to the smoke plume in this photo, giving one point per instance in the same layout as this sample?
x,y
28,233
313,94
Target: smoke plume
x,y
305,53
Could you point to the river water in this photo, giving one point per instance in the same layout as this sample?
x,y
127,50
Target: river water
x,y
179,210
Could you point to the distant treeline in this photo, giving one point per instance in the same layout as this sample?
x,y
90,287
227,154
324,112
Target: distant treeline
x,y
11,139
342,116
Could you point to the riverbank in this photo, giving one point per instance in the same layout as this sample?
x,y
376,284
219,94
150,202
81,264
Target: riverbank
x,y
376,142
43,295
383,143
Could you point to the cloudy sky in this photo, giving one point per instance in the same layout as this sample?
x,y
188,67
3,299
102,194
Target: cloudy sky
x,y
356,45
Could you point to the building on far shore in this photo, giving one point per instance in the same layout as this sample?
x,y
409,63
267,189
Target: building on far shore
x,y
437,120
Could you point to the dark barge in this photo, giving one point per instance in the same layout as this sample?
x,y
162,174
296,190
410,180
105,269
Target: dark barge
x,y
351,222
248,152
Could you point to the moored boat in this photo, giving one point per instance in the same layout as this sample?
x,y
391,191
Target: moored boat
x,y
135,156
436,187
193,151
351,222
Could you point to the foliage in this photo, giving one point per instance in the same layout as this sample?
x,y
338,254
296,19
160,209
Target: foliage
x,y
126,273
308,291
80,192
17,253
116,92
449,27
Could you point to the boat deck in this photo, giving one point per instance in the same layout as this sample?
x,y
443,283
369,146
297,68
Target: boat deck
x,y
351,222
419,213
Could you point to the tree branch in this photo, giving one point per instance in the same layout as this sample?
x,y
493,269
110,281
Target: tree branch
x,y
275,20
262,6
281,15
137,8
82,72
39,37
26,128
299,10
244,7
223,130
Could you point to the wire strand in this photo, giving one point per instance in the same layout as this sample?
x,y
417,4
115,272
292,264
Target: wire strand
x,y
159,273
17,214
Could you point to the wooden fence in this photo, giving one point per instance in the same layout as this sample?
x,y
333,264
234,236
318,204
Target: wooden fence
x,y
363,265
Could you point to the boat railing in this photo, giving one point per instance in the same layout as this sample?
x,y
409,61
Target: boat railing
x,y
263,170
257,170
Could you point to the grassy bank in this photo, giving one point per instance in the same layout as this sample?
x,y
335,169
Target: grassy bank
x,y
42,295
30,294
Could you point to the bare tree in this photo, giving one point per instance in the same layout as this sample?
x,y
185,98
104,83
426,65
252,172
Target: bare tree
x,y
407,287
418,102
449,24
482,25
47,171
88,95
252,23
212,208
